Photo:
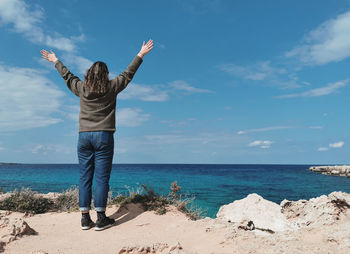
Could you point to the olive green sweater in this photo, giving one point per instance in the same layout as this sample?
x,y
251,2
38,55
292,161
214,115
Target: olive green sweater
x,y
97,113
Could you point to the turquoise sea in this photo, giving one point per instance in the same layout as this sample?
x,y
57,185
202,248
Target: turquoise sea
x,y
211,185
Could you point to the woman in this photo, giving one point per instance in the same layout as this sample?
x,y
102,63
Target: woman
x,y
96,128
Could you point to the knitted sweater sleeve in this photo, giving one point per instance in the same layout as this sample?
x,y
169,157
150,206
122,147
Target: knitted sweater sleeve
x,y
73,82
120,82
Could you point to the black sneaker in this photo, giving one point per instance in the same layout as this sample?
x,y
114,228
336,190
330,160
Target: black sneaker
x,y
86,223
103,223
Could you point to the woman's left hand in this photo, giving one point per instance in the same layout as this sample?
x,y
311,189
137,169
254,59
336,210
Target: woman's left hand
x,y
49,57
146,48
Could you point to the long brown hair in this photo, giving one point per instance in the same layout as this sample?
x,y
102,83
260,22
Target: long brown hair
x,y
96,78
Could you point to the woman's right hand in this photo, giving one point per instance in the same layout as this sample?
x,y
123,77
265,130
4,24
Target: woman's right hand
x,y
146,48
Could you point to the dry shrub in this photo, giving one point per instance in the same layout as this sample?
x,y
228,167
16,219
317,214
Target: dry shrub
x,y
26,200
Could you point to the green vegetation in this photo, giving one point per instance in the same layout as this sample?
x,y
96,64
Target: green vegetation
x,y
30,201
67,201
26,200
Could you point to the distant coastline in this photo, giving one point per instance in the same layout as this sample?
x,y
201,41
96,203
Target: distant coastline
x,y
10,163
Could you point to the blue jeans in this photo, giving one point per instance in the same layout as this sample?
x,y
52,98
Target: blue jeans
x,y
95,153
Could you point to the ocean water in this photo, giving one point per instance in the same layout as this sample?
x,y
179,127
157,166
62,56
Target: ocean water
x,y
210,185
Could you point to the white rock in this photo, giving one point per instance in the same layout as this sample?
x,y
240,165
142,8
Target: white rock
x,y
264,214
323,210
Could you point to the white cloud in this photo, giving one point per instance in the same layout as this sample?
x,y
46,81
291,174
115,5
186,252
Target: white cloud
x,y
176,145
81,63
183,85
202,138
330,42
326,90
264,71
131,117
157,92
158,44
51,148
144,93
60,42
259,71
272,128
28,99
322,149
261,143
27,20
337,144
72,112
24,21
38,148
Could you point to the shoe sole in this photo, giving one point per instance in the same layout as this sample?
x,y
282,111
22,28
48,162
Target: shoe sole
x,y
107,226
85,228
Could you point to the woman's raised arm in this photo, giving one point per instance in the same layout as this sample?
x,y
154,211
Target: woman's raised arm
x,y
73,82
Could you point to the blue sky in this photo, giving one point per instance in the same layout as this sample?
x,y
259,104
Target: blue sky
x,y
226,81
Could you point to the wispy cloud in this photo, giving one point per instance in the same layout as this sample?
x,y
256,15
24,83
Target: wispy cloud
x,y
261,143
27,20
28,99
264,72
144,93
272,128
50,148
159,93
330,42
178,123
259,71
71,112
337,144
321,91
131,117
183,85
199,139
322,149
81,63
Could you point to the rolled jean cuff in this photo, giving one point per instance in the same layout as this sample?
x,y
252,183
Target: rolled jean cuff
x,y
84,209
100,209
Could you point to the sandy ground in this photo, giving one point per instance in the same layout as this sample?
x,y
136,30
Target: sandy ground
x,y
61,233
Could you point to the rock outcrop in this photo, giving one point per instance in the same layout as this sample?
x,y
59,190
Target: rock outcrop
x,y
332,170
12,228
317,212
255,212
